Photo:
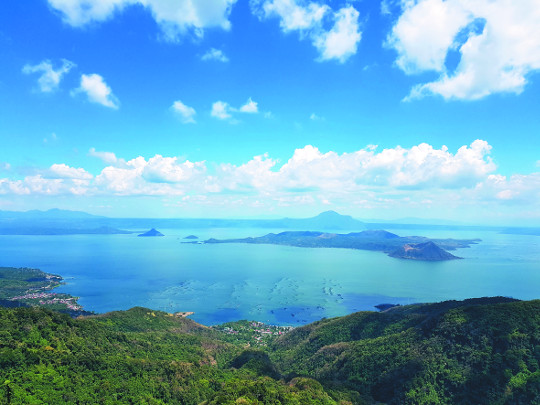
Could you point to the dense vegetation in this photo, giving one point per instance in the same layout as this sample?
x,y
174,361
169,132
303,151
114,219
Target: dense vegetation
x,y
470,352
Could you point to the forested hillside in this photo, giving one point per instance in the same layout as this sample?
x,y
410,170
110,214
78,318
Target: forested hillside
x,y
476,351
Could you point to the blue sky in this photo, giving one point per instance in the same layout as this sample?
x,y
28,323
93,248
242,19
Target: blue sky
x,y
223,108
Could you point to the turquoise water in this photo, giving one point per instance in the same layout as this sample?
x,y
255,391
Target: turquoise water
x,y
275,284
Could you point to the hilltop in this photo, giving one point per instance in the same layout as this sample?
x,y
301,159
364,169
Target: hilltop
x,y
151,232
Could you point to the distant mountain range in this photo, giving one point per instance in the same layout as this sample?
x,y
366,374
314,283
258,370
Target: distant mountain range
x,y
51,214
57,221
71,222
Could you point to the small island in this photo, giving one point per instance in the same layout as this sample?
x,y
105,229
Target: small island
x,y
403,247
151,232
191,237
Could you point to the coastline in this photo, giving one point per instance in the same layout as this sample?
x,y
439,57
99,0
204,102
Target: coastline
x,y
26,287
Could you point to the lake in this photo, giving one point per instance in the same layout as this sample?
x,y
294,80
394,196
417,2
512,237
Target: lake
x,y
273,284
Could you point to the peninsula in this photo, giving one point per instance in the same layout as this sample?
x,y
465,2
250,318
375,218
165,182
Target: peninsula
x,y
403,247
25,287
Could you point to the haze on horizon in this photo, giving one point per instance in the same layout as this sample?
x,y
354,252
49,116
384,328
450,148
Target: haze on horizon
x,y
272,108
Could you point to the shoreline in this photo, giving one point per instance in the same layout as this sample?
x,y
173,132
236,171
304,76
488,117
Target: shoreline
x,y
26,287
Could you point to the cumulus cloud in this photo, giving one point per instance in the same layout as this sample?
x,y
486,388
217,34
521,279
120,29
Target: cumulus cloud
x,y
185,112
293,16
513,189
161,169
251,107
215,54
417,178
496,43
157,176
63,171
107,157
221,110
173,17
335,34
419,167
97,91
224,111
342,40
50,78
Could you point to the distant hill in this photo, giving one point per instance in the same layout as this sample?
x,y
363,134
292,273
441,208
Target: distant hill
x,y
325,220
151,232
427,251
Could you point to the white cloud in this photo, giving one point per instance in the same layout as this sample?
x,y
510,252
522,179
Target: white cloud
x,y
386,7
39,185
342,40
308,18
224,111
514,189
107,157
97,91
221,110
215,54
157,176
497,43
251,107
294,16
185,112
161,169
174,17
420,167
315,117
416,178
50,78
63,171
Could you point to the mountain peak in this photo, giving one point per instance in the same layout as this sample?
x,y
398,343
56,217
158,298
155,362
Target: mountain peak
x,y
330,213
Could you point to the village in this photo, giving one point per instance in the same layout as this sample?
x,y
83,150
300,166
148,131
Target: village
x,y
252,333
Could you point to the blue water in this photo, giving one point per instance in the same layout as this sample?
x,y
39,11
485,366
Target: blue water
x,y
274,284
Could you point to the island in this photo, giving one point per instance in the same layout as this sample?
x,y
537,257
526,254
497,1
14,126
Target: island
x,y
25,287
151,232
191,237
403,247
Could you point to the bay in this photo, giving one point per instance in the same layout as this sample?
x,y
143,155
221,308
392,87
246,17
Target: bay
x,y
274,284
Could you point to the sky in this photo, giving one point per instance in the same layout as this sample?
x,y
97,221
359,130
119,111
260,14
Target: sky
x,y
270,108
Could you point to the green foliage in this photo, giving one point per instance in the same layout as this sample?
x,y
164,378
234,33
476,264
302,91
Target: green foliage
x,y
14,282
472,352
477,351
